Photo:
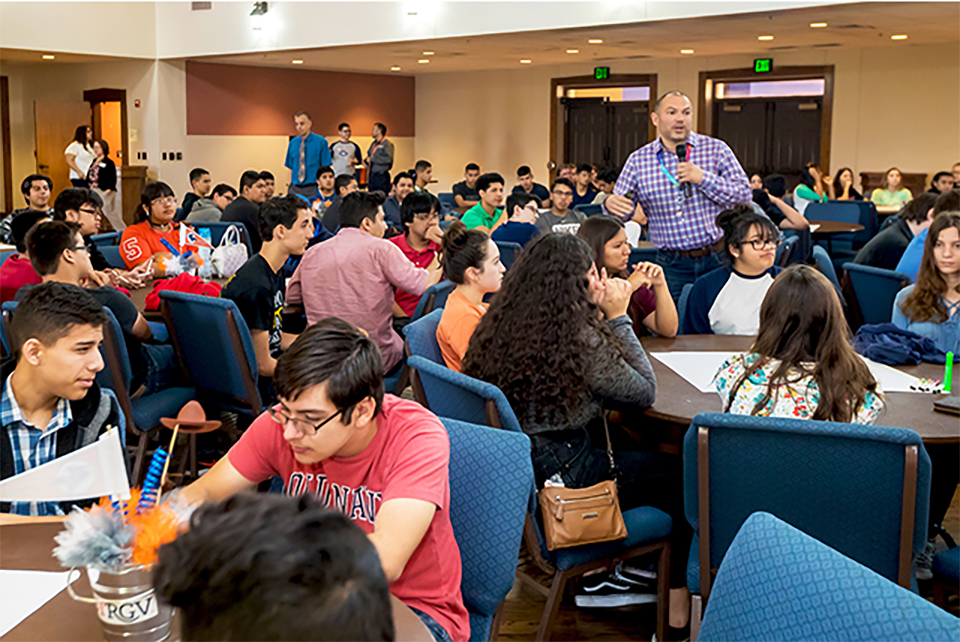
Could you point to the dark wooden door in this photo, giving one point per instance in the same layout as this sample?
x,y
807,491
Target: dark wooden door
x,y
771,135
603,133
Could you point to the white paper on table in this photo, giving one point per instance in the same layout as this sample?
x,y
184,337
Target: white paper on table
x,y
92,471
699,368
23,592
814,227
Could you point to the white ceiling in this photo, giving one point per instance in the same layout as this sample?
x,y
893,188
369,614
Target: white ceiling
x,y
849,25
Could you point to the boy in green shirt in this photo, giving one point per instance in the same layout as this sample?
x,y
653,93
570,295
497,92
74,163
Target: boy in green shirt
x,y
487,213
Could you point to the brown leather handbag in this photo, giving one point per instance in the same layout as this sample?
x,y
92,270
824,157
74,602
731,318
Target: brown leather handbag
x,y
578,516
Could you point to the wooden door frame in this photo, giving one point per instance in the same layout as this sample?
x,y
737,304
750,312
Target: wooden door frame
x,y
7,151
589,82
94,96
809,72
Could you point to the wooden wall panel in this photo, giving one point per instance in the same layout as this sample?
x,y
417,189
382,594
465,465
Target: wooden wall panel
x,y
235,100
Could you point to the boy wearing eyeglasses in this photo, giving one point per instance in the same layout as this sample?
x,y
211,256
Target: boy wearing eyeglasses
x,y
59,253
420,242
381,460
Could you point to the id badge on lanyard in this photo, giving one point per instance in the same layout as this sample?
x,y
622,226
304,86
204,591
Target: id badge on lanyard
x,y
674,181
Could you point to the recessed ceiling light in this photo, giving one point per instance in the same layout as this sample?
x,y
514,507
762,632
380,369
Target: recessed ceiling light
x,y
899,36
525,61
48,56
595,41
428,53
686,51
423,61
818,25
764,37
573,51
395,68
297,62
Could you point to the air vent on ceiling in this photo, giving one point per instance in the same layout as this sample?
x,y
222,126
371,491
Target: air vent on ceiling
x,y
868,27
781,48
640,57
201,6
827,45
456,53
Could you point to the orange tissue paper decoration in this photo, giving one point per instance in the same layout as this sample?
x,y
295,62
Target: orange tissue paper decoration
x,y
154,528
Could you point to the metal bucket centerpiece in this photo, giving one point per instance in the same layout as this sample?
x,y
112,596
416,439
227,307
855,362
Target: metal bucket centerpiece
x,y
127,605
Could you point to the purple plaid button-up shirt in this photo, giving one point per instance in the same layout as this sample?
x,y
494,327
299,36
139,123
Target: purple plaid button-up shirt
x,y
677,222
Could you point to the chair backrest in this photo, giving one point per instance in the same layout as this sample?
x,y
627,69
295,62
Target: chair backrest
x,y
840,211
6,254
108,238
487,512
772,567
887,222
639,255
454,395
787,251
112,255
446,200
590,209
682,307
863,490
826,265
875,289
116,373
213,343
5,315
421,337
219,228
433,297
869,219
508,252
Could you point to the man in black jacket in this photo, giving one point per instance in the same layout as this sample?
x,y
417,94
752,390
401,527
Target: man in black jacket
x,y
51,404
246,208
885,249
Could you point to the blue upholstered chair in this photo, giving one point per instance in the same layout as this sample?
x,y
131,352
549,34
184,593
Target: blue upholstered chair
x,y
453,395
213,343
946,575
6,255
421,337
863,490
487,512
839,245
433,297
869,219
826,265
5,316
875,290
218,229
508,252
590,210
682,307
112,255
778,583
105,239
641,254
142,413
447,202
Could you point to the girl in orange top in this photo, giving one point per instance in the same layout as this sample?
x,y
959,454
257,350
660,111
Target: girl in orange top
x,y
472,261
144,241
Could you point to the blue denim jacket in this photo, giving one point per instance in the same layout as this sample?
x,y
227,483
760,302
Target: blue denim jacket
x,y
946,335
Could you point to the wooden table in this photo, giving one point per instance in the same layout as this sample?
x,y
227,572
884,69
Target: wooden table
x,y
30,546
835,227
678,401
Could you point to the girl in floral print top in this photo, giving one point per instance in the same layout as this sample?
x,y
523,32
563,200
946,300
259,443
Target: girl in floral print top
x,y
802,365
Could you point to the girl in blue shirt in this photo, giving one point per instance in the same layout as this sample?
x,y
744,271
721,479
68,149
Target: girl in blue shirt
x,y
931,307
727,300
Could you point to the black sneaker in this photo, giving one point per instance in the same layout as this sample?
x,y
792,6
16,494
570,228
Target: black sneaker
x,y
610,590
638,573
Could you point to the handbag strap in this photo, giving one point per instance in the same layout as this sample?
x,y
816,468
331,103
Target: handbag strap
x,y
606,431
231,237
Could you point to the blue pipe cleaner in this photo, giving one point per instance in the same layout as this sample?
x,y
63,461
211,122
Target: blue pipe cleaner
x,y
151,485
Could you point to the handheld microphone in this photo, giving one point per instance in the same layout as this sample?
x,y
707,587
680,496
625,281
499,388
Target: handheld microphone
x,y
682,158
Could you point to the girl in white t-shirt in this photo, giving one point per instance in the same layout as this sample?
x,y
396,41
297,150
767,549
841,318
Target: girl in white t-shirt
x,y
79,155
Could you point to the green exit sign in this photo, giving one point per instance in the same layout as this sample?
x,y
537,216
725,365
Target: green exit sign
x,y
601,73
763,65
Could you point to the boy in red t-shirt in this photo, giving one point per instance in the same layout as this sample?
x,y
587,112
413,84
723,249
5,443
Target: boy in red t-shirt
x,y
420,242
17,271
380,459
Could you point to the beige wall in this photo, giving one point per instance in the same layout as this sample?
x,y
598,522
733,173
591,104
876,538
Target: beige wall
x,y
896,105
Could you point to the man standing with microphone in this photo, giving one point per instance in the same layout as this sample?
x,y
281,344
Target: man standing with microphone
x,y
682,180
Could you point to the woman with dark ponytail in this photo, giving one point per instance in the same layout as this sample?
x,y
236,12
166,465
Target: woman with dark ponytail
x,y
727,300
472,261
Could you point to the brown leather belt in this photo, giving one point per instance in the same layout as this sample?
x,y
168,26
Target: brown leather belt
x,y
699,252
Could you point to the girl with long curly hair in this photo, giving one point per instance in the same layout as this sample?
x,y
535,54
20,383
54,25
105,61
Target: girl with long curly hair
x,y
559,344
931,306
801,365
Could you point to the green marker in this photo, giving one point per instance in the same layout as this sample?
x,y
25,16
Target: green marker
x,y
948,373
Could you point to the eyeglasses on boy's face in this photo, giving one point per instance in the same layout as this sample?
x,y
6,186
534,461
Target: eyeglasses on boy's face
x,y
303,426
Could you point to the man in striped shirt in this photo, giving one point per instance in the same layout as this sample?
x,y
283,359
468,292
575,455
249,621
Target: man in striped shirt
x,y
681,199
50,404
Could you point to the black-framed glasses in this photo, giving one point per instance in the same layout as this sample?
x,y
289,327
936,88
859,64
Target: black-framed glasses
x,y
563,193
761,244
427,217
95,212
303,426
164,200
85,248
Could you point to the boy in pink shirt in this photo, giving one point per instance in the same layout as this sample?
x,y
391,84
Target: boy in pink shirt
x,y
381,460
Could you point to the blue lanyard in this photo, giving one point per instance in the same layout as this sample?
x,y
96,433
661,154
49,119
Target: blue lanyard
x,y
666,172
